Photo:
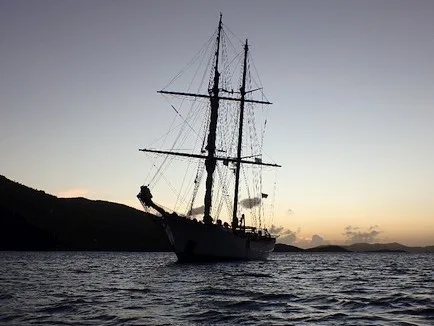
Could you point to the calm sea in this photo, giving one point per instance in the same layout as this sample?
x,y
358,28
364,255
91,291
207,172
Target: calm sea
x,y
112,288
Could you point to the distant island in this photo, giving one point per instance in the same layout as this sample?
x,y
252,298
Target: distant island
x,y
34,220
358,247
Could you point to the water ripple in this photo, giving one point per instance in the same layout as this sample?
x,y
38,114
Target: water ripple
x,y
85,288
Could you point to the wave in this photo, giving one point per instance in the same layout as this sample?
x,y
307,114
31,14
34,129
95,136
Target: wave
x,y
296,289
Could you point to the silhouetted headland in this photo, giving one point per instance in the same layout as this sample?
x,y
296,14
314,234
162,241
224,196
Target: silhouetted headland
x,y
358,247
328,248
33,220
388,247
281,247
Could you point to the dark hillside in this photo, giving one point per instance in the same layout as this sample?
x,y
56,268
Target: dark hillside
x,y
328,248
281,247
33,220
388,247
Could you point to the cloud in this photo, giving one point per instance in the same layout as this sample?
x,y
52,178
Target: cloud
x,y
274,229
285,235
288,238
197,210
250,202
357,235
317,240
73,193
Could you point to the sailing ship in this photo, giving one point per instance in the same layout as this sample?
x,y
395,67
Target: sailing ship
x,y
210,239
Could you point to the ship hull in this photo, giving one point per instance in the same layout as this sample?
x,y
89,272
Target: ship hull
x,y
194,241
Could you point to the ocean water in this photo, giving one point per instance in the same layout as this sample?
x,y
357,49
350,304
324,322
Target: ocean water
x,y
117,288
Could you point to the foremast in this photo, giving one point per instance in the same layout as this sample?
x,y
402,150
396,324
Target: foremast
x,y
210,161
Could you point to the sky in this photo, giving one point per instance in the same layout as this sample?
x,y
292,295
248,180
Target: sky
x,y
352,120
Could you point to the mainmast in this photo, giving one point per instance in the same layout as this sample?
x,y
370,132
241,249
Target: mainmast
x,y
210,161
240,138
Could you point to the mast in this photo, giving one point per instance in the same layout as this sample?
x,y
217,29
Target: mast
x,y
210,161
240,138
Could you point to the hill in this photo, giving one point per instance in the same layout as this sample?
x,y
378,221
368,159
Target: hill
x,y
387,247
33,220
358,247
281,247
328,248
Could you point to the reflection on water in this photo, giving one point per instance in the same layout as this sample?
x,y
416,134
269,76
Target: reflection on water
x,y
90,288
